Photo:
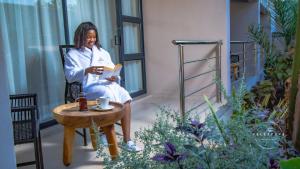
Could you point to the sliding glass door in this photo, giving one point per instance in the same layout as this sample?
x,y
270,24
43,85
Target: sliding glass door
x,y
132,53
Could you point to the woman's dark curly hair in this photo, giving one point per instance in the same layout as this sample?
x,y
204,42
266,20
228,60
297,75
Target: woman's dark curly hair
x,y
81,33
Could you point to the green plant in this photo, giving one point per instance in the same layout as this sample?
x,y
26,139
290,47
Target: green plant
x,y
262,95
173,142
278,64
292,163
293,92
285,16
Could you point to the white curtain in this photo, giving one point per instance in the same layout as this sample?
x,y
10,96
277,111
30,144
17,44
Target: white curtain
x,y
103,14
30,31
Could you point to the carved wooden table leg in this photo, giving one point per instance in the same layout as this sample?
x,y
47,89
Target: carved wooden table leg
x,y
68,145
112,140
93,138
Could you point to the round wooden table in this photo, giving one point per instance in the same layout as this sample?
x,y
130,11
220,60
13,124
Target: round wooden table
x,y
71,118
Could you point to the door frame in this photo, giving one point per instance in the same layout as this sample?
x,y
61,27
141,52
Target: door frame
x,y
136,56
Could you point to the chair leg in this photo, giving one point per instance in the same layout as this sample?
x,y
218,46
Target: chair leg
x,y
40,150
84,137
36,153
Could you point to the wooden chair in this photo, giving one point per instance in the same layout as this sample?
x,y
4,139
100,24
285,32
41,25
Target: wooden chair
x,y
25,118
72,90
235,70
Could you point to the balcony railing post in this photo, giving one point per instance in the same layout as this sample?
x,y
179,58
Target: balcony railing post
x,y
256,61
218,72
181,80
244,57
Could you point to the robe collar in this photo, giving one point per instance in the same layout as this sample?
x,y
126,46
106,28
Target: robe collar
x,y
94,55
89,53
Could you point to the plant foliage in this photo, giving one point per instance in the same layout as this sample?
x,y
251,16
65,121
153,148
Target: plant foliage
x,y
173,142
278,64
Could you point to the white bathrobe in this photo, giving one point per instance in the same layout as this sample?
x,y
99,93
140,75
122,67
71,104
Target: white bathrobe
x,y
77,60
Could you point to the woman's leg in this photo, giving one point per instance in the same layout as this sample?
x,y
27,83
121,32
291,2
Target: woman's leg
x,y
125,121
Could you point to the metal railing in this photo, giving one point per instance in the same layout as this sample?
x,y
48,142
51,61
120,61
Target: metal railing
x,y
182,79
243,52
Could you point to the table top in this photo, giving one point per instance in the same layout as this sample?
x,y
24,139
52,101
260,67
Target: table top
x,y
69,115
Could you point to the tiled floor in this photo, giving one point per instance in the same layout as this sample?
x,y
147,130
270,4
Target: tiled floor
x,y
143,115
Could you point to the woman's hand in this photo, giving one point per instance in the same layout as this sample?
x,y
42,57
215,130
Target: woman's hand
x,y
111,79
97,70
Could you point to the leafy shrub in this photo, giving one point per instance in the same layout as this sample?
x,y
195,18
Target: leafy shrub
x,y
175,142
278,64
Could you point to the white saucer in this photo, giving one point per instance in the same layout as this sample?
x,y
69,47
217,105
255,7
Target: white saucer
x,y
98,108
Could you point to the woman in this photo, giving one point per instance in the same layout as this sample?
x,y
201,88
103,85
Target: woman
x,y
85,64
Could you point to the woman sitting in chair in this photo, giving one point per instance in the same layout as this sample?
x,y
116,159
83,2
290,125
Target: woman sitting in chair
x,y
85,64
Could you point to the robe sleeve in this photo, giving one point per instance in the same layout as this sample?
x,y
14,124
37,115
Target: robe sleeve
x,y
73,70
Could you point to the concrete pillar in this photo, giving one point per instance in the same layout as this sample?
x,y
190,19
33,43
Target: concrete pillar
x,y
7,153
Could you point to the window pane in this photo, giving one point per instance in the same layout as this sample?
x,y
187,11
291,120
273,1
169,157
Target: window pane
x,y
132,38
131,8
133,76
30,34
102,13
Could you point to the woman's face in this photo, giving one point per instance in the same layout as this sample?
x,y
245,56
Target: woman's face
x,y
90,39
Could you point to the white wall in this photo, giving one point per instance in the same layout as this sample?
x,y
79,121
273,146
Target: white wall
x,y
7,153
167,20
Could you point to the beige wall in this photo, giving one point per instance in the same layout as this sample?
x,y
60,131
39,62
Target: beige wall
x,y
242,14
167,20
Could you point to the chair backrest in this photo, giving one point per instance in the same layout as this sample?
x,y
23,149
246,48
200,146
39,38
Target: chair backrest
x,y
24,114
72,90
25,124
24,100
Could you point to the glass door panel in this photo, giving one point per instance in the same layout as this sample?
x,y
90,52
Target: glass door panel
x,y
131,8
132,38
133,76
100,12
132,50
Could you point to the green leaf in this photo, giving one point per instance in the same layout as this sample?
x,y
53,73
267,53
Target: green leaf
x,y
195,150
213,111
293,163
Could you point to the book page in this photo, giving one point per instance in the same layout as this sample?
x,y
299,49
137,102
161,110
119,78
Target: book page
x,y
117,70
109,72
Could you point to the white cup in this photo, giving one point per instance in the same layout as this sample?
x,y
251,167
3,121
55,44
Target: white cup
x,y
103,102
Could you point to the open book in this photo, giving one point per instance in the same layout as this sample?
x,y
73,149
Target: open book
x,y
109,72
